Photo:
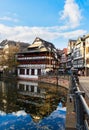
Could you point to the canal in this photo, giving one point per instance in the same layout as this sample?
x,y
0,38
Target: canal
x,y
26,105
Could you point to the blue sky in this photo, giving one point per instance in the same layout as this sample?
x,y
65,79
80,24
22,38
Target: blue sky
x,y
55,21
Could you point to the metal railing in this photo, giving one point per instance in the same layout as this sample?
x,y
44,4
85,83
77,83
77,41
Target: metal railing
x,y
80,106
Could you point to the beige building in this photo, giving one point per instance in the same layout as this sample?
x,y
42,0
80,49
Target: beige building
x,y
79,54
87,55
70,48
1,51
8,49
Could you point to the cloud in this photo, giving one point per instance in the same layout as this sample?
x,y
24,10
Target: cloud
x,y
28,34
73,34
71,14
6,18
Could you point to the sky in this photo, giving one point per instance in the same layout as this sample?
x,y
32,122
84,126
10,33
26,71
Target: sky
x,y
55,21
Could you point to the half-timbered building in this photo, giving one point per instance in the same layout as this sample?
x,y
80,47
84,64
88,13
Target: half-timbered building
x,y
39,58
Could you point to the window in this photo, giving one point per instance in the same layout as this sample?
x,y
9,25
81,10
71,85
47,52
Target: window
x,y
32,71
87,49
80,62
87,61
75,62
39,72
21,87
22,71
32,88
27,87
27,72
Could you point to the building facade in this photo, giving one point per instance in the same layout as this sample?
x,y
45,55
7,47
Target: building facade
x,y
63,60
70,49
40,58
79,55
87,55
8,49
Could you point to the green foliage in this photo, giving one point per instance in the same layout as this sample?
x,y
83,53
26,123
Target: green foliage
x,y
8,57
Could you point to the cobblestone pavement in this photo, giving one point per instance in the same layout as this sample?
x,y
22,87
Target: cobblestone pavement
x,y
84,82
84,86
71,115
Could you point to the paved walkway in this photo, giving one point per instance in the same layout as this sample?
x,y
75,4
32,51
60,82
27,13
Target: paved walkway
x,y
71,115
84,85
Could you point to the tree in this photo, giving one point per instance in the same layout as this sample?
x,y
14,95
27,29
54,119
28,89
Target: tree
x,y
2,60
8,57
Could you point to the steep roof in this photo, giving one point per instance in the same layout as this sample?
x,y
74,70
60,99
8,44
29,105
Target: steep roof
x,y
23,46
41,45
9,42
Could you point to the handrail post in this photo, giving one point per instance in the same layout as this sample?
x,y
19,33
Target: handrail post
x,y
80,115
80,106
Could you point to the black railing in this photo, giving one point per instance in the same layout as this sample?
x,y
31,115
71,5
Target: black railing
x,y
80,106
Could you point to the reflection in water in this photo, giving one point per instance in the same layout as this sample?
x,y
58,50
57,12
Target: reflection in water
x,y
39,100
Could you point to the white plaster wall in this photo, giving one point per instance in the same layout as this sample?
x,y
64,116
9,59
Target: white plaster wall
x,y
28,76
28,83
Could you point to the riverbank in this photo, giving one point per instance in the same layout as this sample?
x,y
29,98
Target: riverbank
x,y
57,80
62,80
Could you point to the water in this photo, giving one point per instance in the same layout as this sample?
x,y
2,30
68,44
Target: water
x,y
28,105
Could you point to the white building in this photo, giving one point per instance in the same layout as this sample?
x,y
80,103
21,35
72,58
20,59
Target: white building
x,y
40,57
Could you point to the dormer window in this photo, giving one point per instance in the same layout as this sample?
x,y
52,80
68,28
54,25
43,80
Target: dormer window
x,y
37,39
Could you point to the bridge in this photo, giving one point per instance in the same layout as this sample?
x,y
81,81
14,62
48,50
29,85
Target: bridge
x,y
78,103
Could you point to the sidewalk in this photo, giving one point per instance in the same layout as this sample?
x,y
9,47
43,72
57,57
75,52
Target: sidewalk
x,y
84,86
70,115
